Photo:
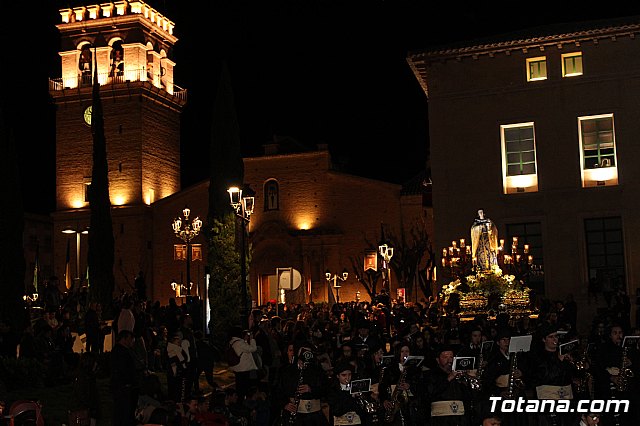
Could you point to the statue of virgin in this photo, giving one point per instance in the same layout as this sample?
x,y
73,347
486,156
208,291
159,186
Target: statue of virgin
x,y
484,243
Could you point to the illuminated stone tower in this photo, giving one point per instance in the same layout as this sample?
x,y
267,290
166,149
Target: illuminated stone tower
x,y
128,43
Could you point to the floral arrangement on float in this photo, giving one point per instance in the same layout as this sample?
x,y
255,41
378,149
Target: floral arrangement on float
x,y
474,293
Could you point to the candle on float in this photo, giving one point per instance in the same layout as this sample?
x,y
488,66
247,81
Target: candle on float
x,y
444,262
526,248
444,252
468,249
530,260
454,243
450,251
461,242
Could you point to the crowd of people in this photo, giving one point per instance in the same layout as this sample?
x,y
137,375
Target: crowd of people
x,y
381,362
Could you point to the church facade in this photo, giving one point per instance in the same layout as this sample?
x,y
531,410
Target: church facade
x,y
308,216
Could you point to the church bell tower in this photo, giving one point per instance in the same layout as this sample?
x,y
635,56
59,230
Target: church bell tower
x,y
128,44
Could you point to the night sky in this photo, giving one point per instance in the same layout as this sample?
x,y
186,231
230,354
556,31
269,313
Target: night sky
x,y
331,72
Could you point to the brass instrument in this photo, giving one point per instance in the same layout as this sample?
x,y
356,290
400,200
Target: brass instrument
x,y
625,372
367,407
585,378
307,357
398,397
514,383
480,369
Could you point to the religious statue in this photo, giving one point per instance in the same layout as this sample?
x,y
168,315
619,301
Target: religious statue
x,y
484,243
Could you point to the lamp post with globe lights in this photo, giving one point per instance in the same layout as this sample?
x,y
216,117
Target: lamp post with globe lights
x,y
243,208
187,233
386,252
334,278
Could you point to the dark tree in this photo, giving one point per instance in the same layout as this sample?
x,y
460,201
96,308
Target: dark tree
x,y
368,279
100,257
222,230
12,263
412,250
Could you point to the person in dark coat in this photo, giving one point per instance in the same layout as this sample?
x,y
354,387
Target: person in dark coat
x,y
447,396
344,406
300,388
552,375
206,360
400,388
496,380
92,329
610,382
124,384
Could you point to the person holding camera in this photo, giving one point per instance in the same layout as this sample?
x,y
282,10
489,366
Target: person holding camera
x,y
246,371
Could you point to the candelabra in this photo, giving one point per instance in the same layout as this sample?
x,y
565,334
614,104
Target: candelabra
x,y
187,234
457,258
519,262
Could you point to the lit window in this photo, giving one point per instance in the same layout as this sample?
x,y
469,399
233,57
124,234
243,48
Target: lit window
x,y
597,150
572,64
519,172
271,195
537,68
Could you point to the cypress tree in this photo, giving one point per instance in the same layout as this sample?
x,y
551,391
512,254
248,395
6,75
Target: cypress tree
x,y
227,169
100,257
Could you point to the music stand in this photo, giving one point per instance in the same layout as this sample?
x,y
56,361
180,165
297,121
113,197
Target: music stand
x,y
362,385
520,343
463,363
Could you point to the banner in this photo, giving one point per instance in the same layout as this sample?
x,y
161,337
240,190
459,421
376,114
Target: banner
x,y
370,260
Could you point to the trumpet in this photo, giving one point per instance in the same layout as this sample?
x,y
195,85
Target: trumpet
x,y
467,379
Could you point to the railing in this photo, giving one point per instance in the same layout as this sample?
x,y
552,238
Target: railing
x,y
85,79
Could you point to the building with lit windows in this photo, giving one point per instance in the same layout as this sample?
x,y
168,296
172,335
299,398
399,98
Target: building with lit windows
x,y
308,216
539,129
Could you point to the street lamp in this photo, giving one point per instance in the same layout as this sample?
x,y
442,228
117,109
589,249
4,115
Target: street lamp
x,y
335,277
243,208
187,234
178,288
77,232
387,253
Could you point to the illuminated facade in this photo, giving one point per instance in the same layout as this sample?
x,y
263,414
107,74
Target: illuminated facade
x,y
540,132
308,216
128,45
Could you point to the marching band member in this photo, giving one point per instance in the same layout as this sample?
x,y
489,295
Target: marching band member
x,y
396,389
552,375
504,379
448,397
300,388
345,407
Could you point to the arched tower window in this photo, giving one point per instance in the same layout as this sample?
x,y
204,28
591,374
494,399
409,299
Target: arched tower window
x,y
85,64
117,60
271,195
150,67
